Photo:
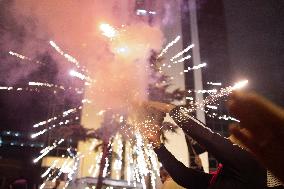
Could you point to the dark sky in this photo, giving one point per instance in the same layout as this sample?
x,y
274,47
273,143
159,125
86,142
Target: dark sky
x,y
255,31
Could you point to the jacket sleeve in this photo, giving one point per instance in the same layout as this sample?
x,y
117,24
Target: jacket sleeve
x,y
221,148
184,176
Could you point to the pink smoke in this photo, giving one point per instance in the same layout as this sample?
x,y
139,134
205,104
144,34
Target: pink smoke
x,y
120,77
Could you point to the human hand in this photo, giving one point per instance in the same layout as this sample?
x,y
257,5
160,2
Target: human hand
x,y
151,117
261,128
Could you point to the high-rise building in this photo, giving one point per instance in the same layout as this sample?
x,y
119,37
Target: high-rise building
x,y
209,30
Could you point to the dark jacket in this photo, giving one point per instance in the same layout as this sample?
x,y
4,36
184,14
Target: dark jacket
x,y
240,170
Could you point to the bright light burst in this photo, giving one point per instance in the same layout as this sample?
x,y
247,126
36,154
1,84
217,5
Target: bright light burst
x,y
240,85
108,30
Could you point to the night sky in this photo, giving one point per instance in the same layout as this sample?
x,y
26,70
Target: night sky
x,y
255,31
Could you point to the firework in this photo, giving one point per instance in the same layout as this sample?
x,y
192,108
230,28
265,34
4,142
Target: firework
x,y
6,88
195,67
49,169
72,172
64,114
168,46
240,85
61,123
182,59
79,75
68,57
46,150
108,30
203,91
225,117
182,52
212,107
23,57
33,83
214,83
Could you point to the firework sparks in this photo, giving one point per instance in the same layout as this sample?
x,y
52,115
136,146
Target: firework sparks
x,y
212,107
214,83
118,162
240,85
182,59
108,30
97,167
79,75
168,46
182,52
203,91
20,56
33,83
44,122
46,150
61,123
37,87
68,57
6,88
64,168
64,114
72,172
213,98
195,67
225,117
189,98
49,169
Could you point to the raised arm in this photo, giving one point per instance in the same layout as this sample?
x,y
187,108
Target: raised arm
x,y
220,147
184,176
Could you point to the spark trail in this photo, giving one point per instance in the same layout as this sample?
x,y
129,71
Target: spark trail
x,y
182,52
68,57
195,67
20,56
64,114
168,46
182,59
46,150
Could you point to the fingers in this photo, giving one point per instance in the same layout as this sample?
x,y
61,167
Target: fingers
x,y
255,112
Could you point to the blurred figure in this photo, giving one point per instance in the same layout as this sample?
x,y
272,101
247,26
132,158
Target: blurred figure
x,y
261,129
168,182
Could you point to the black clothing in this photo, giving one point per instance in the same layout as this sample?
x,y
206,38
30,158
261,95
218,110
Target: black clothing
x,y
240,170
